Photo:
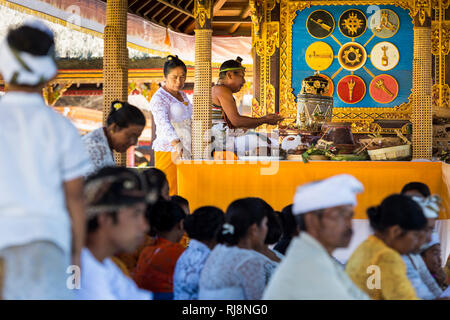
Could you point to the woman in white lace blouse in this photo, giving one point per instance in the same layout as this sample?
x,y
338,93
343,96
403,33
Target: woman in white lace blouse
x,y
172,113
234,270
202,227
124,126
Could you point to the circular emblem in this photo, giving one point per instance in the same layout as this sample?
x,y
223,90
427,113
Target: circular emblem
x,y
384,56
320,24
330,85
352,56
319,56
353,23
383,88
351,89
384,23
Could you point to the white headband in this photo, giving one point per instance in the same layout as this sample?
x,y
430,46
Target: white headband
x,y
429,205
22,68
336,191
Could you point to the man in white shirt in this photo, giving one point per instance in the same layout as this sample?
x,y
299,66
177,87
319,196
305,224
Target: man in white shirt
x,y
116,205
42,162
324,212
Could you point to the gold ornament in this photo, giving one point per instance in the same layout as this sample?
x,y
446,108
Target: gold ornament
x,y
356,53
353,23
385,23
380,85
351,85
384,58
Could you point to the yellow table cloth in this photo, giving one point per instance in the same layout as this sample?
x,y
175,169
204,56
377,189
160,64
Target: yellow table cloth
x,y
218,183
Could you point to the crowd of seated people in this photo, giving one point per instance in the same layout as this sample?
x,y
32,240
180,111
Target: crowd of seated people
x,y
71,206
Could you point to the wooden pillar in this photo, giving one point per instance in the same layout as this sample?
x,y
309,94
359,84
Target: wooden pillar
x,y
422,111
265,41
115,60
201,117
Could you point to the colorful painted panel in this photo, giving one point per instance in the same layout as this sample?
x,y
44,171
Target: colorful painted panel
x,y
377,47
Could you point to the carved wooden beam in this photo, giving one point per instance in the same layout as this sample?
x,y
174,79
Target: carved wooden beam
x,y
142,7
173,6
217,6
245,14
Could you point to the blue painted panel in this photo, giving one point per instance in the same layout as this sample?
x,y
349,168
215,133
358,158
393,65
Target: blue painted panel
x,y
403,40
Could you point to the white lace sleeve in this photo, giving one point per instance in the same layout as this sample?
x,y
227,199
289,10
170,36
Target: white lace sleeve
x,y
160,110
252,277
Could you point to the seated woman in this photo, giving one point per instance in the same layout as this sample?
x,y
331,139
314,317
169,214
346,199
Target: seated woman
x,y
125,124
156,264
184,204
202,227
226,120
397,223
273,235
172,113
234,270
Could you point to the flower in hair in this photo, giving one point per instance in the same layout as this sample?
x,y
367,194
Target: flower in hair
x,y
117,105
228,229
169,58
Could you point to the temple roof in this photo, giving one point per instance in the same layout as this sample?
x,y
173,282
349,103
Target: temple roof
x,y
230,17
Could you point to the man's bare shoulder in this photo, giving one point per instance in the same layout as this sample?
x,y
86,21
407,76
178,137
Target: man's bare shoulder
x,y
221,90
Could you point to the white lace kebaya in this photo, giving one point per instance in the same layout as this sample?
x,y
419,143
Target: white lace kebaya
x,y
172,119
188,269
98,148
233,273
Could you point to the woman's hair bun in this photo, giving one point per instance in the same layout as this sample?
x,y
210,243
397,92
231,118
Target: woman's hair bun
x,y
239,59
172,57
374,215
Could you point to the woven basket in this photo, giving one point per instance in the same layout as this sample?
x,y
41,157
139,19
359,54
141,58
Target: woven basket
x,y
391,153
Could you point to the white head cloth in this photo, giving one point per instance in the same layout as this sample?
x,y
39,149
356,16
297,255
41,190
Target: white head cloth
x,y
434,240
22,68
332,192
430,206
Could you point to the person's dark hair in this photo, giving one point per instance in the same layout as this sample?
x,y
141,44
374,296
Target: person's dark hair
x,y
180,200
288,222
204,224
124,114
164,215
155,178
230,64
289,227
242,214
114,191
417,186
274,230
398,210
171,63
30,40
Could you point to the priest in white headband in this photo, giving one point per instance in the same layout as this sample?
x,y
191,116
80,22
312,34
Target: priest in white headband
x,y
324,211
43,161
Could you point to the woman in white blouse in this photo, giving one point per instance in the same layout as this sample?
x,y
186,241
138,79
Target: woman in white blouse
x,y
172,113
234,270
125,124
